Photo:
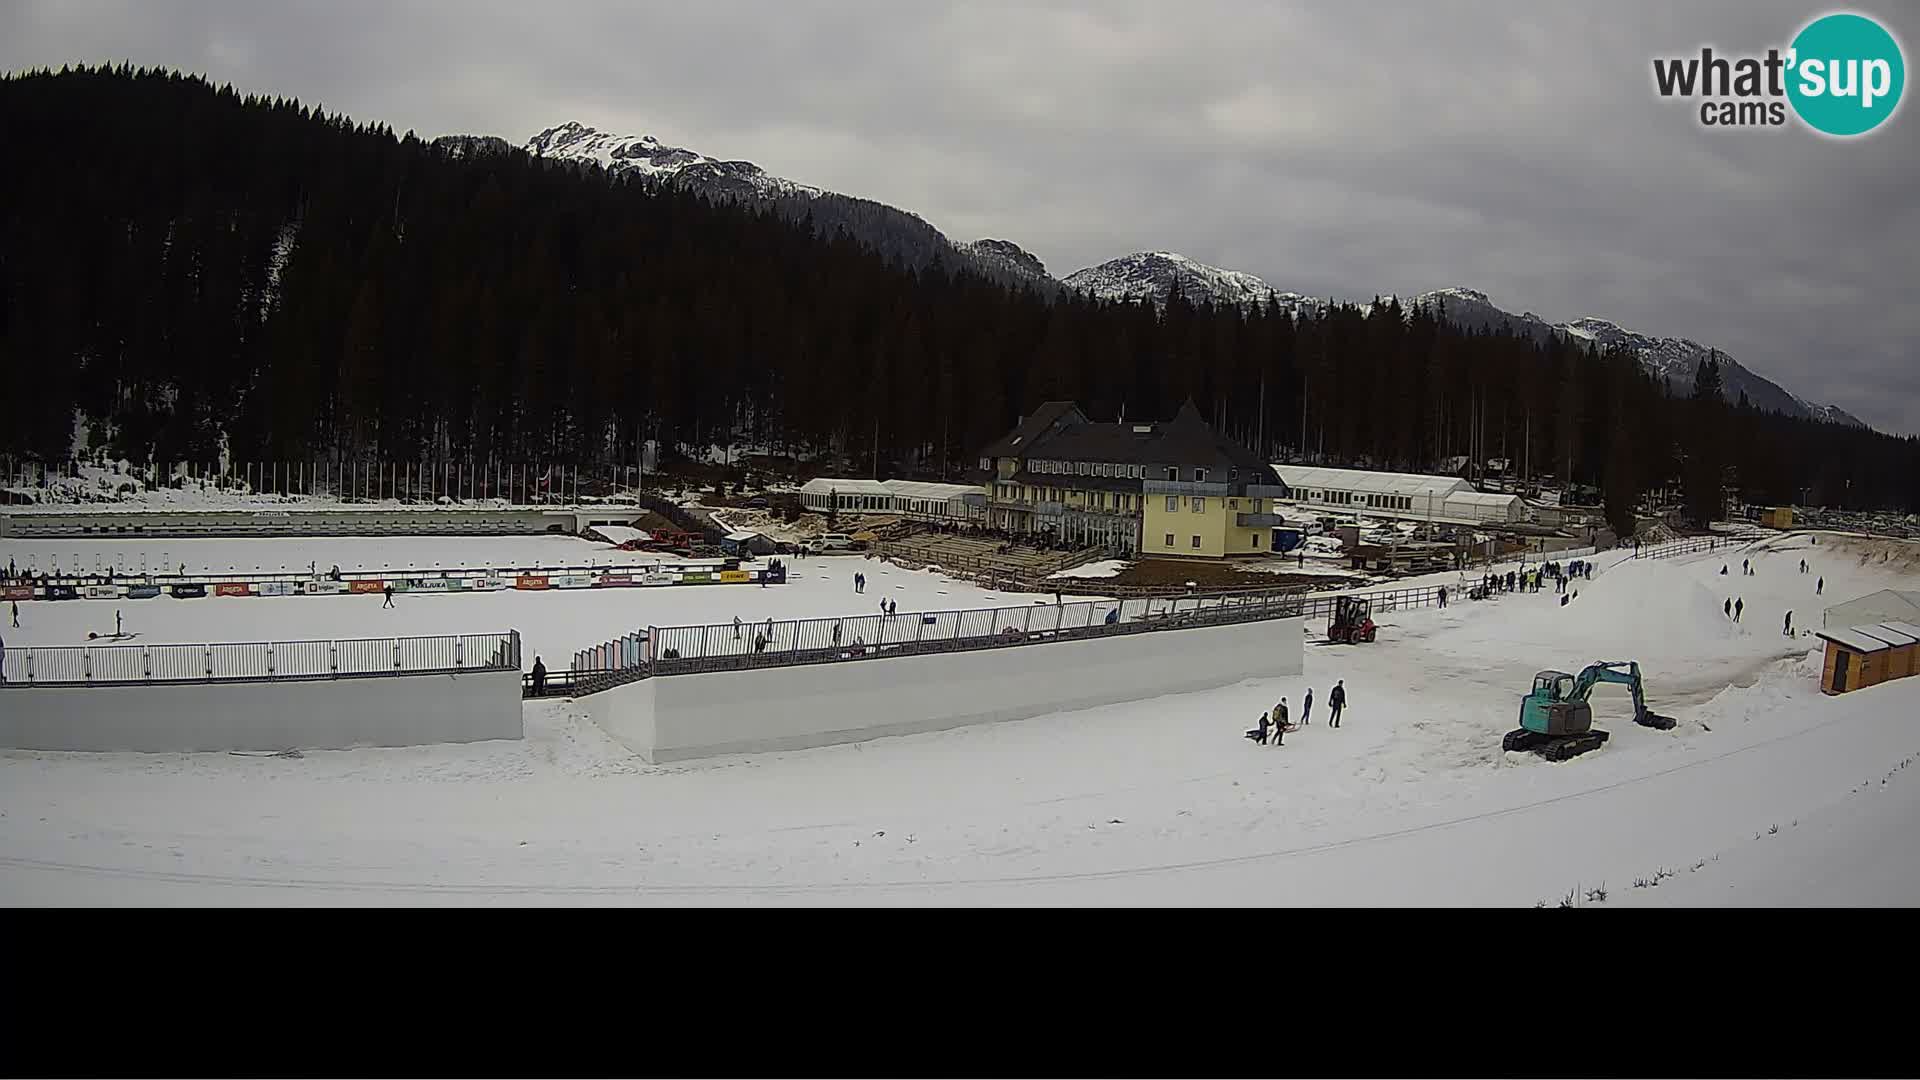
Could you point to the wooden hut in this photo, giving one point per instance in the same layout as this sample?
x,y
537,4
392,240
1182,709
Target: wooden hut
x,y
1854,660
1905,642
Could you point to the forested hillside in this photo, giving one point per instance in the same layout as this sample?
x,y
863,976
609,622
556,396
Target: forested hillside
x,y
182,264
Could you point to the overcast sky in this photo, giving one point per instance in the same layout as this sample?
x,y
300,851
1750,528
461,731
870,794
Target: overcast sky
x,y
1338,149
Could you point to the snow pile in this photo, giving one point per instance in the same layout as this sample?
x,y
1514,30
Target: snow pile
x,y
1103,569
1647,610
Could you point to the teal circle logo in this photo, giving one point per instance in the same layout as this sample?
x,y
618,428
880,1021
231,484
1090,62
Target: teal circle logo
x,y
1846,74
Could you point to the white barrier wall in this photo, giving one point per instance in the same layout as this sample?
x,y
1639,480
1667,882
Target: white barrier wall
x,y
676,717
307,714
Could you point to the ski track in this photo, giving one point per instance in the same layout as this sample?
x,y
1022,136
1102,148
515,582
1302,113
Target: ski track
x,y
1145,802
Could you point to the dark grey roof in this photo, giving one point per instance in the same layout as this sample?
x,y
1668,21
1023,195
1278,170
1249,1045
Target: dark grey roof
x,y
1050,416
1059,431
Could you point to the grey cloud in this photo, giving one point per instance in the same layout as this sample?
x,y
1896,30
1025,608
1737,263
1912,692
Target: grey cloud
x,y
1336,149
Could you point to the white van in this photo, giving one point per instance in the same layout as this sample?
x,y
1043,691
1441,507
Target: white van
x,y
833,542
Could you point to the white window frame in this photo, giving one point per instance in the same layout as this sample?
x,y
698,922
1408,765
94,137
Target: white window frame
x,y
1173,504
1169,542
1199,476
1196,542
1199,504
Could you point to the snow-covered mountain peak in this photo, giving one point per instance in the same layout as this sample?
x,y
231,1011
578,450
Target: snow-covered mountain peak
x,y
1474,296
1152,275
1008,255
646,156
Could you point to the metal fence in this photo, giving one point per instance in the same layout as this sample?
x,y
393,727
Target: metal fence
x,y
684,650
89,665
1684,546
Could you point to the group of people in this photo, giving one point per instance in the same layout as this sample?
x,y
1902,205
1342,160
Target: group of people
x,y
1277,723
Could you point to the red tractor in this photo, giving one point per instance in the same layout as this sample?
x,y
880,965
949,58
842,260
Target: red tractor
x,y
1351,622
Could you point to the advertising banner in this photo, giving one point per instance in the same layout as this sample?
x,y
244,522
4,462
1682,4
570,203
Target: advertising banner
x,y
277,588
486,584
366,586
142,592
531,581
432,584
233,588
735,577
103,592
656,577
695,577
17,592
188,592
573,581
325,587
612,581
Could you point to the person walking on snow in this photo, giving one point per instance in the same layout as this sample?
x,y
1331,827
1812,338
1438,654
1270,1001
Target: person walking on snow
x,y
1279,721
388,592
1819,586
1737,605
736,628
1337,701
1259,731
1306,708
1443,596
1726,609
16,614
116,623
539,676
836,633
1786,630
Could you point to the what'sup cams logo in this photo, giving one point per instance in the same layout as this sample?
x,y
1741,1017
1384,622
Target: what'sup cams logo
x,y
1842,76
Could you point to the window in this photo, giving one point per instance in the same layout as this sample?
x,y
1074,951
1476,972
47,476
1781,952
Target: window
x,y
986,463
1169,542
1199,476
1233,474
1199,505
1233,504
1133,472
1196,541
1081,468
1256,540
1173,472
1173,506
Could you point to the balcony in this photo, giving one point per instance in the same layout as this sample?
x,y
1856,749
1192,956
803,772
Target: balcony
x,y
1260,521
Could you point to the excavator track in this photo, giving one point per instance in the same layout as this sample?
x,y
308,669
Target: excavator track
x,y
1553,747
1657,722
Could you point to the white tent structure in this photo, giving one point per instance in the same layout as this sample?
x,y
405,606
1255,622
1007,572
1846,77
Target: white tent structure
x,y
1407,496
913,498
1885,606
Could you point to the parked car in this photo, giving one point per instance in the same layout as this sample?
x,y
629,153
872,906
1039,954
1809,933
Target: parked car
x,y
834,542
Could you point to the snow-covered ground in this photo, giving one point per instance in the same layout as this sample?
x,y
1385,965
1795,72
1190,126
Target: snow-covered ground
x,y
1411,801
552,623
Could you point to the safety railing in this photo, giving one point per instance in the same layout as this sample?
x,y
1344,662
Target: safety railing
x,y
685,650
1685,546
89,665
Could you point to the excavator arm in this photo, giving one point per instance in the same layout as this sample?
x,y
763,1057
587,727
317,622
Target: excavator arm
x,y
1624,672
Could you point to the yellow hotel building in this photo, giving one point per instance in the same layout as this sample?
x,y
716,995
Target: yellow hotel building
x,y
1172,488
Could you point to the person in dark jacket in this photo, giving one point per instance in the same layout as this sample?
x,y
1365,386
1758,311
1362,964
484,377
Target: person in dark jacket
x,y
1258,733
1786,629
1337,701
388,592
539,676
1726,609
1820,586
1306,709
1443,596
1279,721
1737,606
736,628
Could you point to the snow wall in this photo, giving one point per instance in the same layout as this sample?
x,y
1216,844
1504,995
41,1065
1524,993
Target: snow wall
x,y
396,710
677,717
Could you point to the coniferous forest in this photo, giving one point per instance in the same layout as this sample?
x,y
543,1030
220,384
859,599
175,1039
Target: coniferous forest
x,y
181,264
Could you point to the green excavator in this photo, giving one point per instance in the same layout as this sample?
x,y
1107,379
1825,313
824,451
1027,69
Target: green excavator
x,y
1557,723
